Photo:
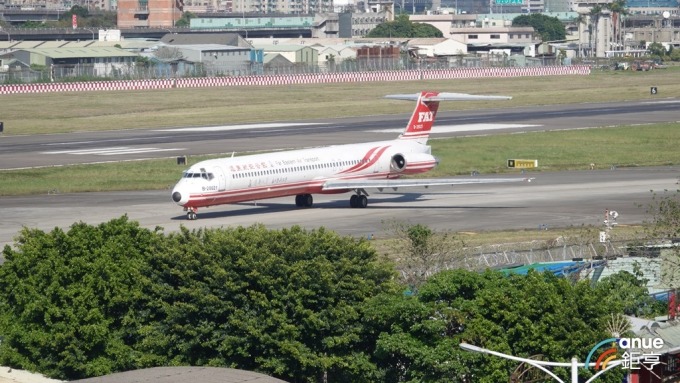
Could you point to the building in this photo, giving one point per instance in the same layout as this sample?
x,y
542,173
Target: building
x,y
297,54
71,62
149,13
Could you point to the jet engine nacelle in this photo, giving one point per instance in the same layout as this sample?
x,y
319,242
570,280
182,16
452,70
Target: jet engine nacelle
x,y
412,163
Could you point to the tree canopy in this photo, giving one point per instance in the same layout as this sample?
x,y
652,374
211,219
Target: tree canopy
x,y
548,28
536,314
98,299
402,27
304,306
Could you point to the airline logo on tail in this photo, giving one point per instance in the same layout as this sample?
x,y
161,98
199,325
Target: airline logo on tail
x,y
423,117
427,103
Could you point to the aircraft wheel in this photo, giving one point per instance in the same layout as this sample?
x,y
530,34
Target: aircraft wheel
x,y
191,216
307,200
298,200
362,201
353,200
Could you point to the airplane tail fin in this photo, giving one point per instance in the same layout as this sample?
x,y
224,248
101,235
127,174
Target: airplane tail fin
x,y
422,119
427,103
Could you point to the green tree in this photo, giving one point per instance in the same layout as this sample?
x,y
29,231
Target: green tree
x,y
663,228
656,50
402,27
185,20
548,28
618,9
97,19
417,337
70,300
113,297
628,295
283,302
421,252
595,13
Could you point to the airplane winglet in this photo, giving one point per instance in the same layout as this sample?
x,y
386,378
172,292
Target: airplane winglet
x,y
445,96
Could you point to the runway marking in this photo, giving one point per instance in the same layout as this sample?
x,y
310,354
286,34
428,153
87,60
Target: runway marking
x,y
662,102
236,127
112,151
462,128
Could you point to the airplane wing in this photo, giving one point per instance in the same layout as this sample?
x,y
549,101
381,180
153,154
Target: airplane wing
x,y
394,184
446,96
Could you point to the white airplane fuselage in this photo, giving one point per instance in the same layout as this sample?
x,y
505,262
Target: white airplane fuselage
x,y
326,170
296,172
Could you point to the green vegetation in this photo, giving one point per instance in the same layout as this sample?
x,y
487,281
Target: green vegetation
x,y
98,19
305,306
185,20
548,28
46,113
402,27
647,145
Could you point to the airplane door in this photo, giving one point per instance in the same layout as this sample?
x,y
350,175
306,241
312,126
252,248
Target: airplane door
x,y
221,178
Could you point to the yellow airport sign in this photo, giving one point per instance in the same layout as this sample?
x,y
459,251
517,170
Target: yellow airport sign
x,y
522,164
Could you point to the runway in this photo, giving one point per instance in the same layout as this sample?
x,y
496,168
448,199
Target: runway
x,y
559,199
127,145
552,200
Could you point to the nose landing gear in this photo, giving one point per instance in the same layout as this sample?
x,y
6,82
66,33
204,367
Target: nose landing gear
x,y
191,213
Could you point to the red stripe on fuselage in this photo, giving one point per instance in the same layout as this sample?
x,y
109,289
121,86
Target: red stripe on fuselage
x,y
369,163
362,161
271,191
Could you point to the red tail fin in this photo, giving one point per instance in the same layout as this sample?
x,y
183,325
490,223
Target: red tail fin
x,y
422,119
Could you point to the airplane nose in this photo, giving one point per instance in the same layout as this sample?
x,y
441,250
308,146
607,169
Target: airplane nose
x,y
176,196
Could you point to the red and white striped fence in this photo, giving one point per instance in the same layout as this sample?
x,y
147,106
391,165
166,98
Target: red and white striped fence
x,y
293,79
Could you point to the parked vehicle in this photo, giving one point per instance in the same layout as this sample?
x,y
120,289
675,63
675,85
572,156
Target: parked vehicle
x,y
642,65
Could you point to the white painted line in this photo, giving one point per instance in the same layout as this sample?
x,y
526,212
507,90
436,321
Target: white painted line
x,y
120,150
140,150
462,128
236,127
86,151
662,102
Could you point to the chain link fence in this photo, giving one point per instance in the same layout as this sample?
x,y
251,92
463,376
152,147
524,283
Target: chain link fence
x,y
144,70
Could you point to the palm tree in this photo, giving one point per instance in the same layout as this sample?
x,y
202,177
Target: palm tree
x,y
579,21
618,9
595,13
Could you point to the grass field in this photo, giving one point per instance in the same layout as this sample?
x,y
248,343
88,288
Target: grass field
x,y
649,145
89,111
67,112
622,146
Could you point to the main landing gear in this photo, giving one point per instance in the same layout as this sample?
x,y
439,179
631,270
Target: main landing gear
x,y
191,214
359,200
304,200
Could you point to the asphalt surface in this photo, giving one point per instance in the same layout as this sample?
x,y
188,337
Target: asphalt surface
x,y
122,145
550,200
558,199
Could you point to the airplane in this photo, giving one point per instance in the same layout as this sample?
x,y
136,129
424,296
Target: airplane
x,y
326,170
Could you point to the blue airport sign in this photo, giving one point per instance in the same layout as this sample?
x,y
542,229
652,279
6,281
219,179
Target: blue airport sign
x,y
511,2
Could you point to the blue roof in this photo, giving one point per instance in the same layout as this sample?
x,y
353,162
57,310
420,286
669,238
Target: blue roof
x,y
557,268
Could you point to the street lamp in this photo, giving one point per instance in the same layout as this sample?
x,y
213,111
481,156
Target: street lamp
x,y
542,364
88,29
